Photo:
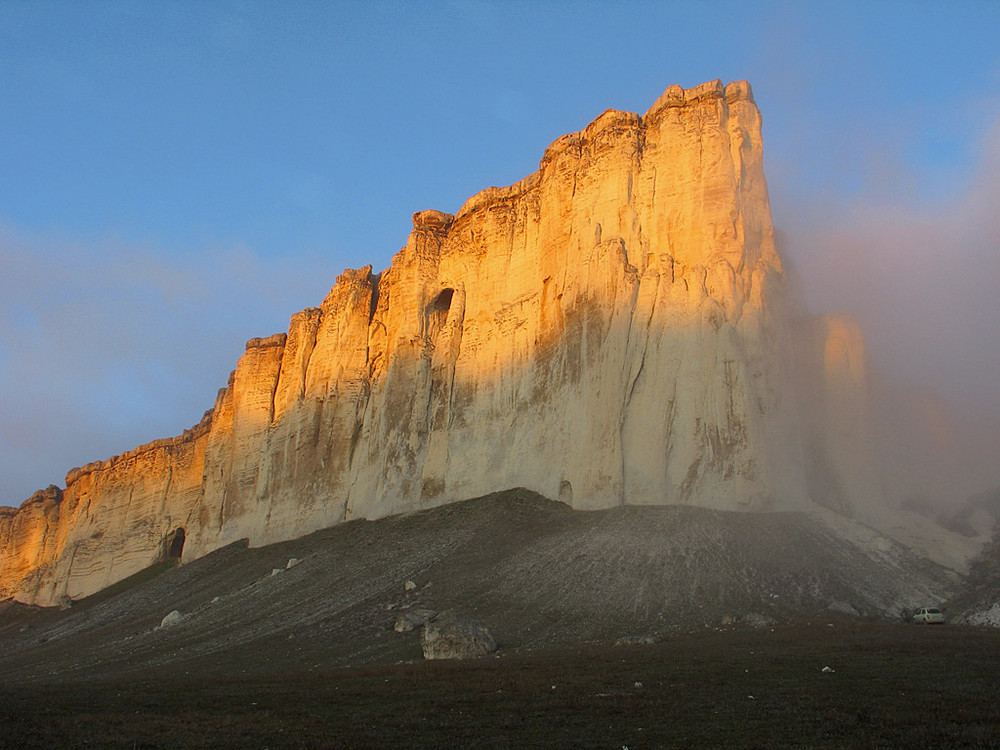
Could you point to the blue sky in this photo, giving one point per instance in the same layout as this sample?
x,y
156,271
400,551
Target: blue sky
x,y
182,176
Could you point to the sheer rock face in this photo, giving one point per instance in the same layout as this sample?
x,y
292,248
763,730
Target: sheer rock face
x,y
609,330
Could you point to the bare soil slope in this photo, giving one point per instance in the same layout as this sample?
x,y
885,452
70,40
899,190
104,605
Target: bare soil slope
x,y
535,572
978,603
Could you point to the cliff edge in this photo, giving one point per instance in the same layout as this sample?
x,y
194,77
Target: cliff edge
x,y
610,330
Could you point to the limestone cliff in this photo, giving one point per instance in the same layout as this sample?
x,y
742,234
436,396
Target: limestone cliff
x,y
611,329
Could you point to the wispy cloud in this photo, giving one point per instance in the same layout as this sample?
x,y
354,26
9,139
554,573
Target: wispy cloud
x,y
108,344
921,275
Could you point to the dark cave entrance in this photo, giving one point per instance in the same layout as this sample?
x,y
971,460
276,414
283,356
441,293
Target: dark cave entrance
x,y
443,301
437,312
175,545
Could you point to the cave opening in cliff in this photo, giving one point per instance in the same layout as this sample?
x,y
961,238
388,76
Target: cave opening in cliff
x,y
438,312
176,546
443,301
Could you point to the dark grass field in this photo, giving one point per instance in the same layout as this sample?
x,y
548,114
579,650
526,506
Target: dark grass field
x,y
893,685
271,656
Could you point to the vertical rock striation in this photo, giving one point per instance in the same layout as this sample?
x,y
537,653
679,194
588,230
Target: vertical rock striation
x,y
611,329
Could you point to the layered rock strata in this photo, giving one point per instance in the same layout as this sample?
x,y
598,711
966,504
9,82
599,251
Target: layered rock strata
x,y
610,330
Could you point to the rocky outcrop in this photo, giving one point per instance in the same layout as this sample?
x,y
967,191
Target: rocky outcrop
x,y
610,330
448,636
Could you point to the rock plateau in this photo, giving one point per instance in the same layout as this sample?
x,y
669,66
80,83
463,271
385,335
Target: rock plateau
x,y
612,329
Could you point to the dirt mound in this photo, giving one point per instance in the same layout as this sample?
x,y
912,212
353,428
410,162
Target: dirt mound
x,y
536,573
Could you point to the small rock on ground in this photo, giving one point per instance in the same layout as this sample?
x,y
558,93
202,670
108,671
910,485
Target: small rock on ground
x,y
172,618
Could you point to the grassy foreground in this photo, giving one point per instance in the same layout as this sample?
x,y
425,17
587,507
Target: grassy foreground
x,y
891,685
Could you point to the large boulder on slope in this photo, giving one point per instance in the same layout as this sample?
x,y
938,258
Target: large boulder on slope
x,y
450,637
